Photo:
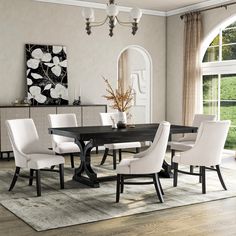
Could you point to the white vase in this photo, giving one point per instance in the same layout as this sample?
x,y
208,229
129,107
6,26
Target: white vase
x,y
122,117
122,120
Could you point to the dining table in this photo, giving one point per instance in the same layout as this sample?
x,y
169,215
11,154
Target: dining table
x,y
89,137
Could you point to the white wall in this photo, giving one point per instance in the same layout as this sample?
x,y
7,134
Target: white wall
x,y
89,57
175,45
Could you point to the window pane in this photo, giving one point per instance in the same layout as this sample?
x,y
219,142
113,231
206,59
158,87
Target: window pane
x,y
210,108
216,41
229,36
228,87
228,106
228,52
210,87
212,54
231,139
232,25
210,94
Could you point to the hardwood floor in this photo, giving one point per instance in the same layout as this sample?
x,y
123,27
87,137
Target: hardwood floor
x,y
212,218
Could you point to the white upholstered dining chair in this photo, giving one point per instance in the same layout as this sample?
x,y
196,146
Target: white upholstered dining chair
x,y
29,154
106,119
148,162
188,140
64,145
206,152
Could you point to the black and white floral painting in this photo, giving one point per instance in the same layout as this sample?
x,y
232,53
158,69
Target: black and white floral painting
x,y
46,74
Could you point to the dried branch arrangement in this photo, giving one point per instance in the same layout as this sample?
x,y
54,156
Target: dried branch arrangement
x,y
121,99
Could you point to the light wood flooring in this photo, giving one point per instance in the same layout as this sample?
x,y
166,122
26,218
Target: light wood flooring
x,y
212,218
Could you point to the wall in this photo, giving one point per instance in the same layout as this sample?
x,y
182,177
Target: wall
x,y
175,45
28,21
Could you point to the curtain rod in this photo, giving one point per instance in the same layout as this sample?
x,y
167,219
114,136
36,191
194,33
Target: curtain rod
x,y
212,8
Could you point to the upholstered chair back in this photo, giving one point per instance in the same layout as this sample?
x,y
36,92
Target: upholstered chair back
x,y
198,119
151,160
23,137
61,120
209,144
106,118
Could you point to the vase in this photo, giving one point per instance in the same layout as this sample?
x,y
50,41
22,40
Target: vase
x,y
122,120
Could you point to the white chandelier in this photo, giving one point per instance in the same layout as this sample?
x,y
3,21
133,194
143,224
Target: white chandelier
x,y
112,12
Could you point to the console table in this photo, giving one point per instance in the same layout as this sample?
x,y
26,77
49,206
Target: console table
x,y
86,115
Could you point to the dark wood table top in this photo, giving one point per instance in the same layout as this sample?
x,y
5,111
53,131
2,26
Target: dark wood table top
x,y
105,134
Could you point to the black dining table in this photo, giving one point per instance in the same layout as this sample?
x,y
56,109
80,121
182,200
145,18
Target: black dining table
x,y
92,136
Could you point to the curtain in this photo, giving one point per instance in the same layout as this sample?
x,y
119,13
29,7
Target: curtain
x,y
192,84
123,73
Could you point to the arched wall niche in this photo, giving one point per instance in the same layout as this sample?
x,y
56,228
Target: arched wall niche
x,y
134,68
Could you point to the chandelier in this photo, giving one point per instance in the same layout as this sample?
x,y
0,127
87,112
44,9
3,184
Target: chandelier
x,y
112,12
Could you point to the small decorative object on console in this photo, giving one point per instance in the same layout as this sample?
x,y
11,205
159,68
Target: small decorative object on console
x,y
77,102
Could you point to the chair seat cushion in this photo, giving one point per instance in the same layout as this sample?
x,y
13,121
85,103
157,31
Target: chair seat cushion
x,y
182,146
123,145
67,147
39,161
124,167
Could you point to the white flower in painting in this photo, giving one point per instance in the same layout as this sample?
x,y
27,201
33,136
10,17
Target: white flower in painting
x,y
36,76
29,81
38,56
35,93
58,49
59,91
56,66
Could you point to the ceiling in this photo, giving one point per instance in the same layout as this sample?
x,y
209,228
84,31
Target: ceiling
x,y
152,7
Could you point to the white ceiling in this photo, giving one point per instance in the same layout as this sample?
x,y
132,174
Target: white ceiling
x,y
153,7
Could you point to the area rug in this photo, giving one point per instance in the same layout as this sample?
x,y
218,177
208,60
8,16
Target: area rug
x,y
78,204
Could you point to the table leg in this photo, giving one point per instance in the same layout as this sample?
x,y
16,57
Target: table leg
x,y
89,177
166,171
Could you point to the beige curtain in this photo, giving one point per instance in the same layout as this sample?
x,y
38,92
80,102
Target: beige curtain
x,y
123,73
192,86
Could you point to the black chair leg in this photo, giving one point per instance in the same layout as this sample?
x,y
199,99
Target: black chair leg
x,y
172,155
191,169
61,171
38,182
31,178
162,192
72,160
122,183
118,188
220,177
120,155
137,150
114,159
200,175
15,177
157,187
203,174
175,180
104,156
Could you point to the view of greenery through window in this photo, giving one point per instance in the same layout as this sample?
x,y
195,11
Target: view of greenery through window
x,y
221,103
219,90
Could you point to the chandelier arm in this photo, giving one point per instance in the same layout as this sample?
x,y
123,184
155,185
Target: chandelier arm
x,y
96,24
124,23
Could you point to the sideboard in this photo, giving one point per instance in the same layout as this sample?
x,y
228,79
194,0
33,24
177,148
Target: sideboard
x,y
86,115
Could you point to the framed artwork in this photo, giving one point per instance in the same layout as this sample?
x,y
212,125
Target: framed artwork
x,y
46,73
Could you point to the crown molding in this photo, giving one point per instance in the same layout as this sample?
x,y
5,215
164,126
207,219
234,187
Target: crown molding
x,y
101,6
196,7
182,10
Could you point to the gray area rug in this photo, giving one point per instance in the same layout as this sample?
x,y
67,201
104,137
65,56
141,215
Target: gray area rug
x,y
78,204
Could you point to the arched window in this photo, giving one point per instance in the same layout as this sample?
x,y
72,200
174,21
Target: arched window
x,y
219,79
